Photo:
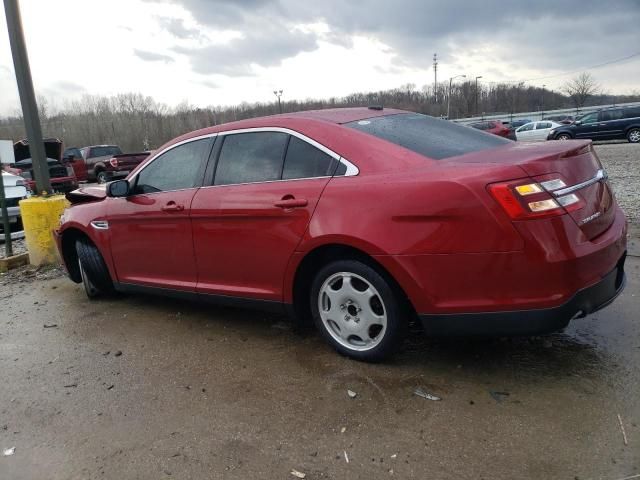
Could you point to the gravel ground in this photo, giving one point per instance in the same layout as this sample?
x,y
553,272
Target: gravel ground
x,y
622,161
19,246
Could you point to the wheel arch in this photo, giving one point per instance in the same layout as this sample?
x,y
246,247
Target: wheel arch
x,y
69,254
311,261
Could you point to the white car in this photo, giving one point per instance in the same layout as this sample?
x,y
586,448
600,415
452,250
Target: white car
x,y
535,131
14,191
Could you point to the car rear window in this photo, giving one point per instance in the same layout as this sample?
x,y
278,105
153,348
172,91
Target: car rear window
x,y
104,151
428,136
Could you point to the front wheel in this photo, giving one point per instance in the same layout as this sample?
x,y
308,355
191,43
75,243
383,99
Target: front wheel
x,y
357,310
634,135
564,136
101,177
95,275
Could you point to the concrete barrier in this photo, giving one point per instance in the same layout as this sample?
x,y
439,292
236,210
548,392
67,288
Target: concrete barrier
x,y
40,216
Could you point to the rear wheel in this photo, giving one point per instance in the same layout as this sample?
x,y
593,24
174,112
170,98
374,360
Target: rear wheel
x,y
634,135
564,136
101,176
95,275
357,310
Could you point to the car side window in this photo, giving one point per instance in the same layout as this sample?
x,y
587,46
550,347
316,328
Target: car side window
x,y
526,127
633,112
591,118
306,161
610,115
543,125
251,157
176,169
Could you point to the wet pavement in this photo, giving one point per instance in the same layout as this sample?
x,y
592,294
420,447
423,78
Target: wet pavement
x,y
145,387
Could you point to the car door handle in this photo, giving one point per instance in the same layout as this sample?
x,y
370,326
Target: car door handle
x,y
291,202
172,207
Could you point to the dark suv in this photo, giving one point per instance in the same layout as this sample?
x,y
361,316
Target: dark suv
x,y
609,124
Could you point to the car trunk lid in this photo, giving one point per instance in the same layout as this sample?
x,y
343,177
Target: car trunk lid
x,y
577,165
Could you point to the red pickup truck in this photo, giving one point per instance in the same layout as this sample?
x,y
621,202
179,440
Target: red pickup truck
x,y
102,163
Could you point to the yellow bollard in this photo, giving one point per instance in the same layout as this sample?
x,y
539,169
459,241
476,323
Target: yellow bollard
x,y
40,216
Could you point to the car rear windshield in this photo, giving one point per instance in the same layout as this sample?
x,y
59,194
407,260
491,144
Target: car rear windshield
x,y
104,151
428,136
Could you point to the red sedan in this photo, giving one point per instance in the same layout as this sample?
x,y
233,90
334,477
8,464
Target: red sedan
x,y
495,127
360,219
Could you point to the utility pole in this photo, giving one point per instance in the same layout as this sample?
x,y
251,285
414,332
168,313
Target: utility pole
x,y
278,93
542,103
27,96
449,97
480,76
435,76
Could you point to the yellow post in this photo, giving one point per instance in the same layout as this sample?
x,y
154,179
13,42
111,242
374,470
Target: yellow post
x,y
40,216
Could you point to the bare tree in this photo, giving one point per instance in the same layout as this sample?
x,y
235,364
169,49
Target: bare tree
x,y
580,88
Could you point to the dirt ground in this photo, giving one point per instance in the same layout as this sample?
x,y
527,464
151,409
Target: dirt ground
x,y
142,387
150,388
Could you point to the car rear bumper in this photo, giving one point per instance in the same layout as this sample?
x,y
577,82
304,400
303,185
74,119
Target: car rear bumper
x,y
530,322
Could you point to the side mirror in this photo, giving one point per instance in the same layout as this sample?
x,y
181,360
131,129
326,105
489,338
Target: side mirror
x,y
578,122
118,188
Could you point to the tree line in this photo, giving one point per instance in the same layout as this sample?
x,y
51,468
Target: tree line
x,y
137,122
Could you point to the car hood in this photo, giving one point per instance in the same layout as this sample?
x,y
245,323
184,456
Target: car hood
x,y
11,180
52,149
87,194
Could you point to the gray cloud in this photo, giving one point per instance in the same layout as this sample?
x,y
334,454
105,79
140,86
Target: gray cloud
x,y
535,35
264,45
152,56
177,28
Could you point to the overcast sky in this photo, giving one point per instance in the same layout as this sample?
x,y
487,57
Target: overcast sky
x,y
211,52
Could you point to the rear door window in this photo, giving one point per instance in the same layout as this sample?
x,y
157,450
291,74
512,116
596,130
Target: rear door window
x,y
609,115
543,125
526,127
434,138
633,112
303,160
251,157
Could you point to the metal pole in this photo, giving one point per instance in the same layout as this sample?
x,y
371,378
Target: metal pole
x,y
27,96
542,103
449,99
476,91
8,248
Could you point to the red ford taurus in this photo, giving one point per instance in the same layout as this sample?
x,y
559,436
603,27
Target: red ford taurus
x,y
360,219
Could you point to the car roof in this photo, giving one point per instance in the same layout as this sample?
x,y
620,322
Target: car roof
x,y
331,116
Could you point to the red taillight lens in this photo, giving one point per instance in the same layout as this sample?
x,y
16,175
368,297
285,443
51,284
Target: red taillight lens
x,y
528,199
114,162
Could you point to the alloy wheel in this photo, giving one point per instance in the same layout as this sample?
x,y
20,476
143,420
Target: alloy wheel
x,y
634,136
352,311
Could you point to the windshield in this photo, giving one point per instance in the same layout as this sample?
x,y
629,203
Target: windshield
x,y
428,136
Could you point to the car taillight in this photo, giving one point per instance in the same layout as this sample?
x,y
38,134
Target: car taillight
x,y
523,200
114,162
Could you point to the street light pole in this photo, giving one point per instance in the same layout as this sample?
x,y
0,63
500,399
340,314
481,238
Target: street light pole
x,y
27,96
480,76
278,93
542,103
449,96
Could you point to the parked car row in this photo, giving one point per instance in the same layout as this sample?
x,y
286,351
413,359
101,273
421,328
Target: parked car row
x,y
616,123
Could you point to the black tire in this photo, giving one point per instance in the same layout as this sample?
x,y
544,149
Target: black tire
x,y
563,136
633,135
95,275
390,301
101,176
